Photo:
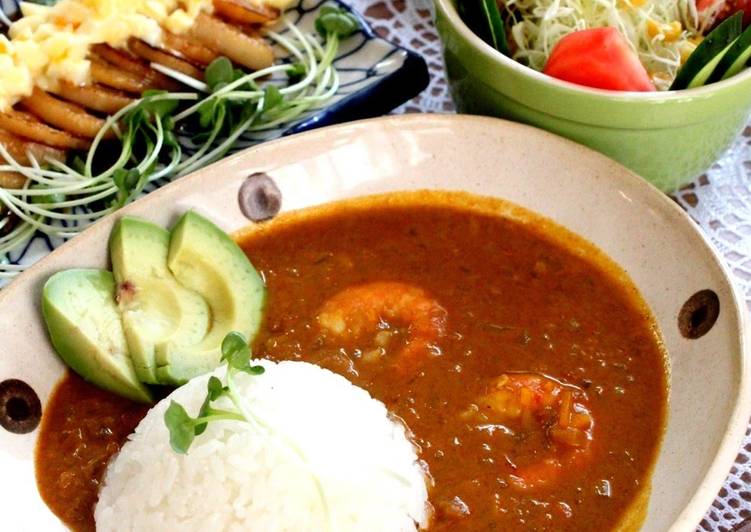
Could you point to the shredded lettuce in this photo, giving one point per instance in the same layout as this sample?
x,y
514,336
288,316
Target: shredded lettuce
x,y
537,25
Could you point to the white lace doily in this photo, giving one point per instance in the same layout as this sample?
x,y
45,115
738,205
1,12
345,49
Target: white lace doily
x,y
720,202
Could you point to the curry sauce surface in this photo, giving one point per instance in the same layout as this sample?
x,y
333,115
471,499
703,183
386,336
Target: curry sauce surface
x,y
519,296
82,428
516,301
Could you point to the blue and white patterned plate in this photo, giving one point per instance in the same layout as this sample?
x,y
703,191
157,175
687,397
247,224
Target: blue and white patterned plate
x,y
375,75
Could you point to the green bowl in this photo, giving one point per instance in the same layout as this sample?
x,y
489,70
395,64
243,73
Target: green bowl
x,y
669,138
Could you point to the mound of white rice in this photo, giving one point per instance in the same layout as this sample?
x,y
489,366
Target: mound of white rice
x,y
333,460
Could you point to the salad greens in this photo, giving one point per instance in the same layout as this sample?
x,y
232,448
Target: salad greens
x,y
534,27
182,428
621,45
156,131
485,18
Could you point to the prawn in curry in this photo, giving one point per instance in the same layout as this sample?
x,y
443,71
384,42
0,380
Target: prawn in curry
x,y
549,415
380,308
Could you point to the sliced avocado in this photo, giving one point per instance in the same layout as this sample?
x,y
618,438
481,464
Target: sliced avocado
x,y
735,59
203,258
85,328
153,305
702,62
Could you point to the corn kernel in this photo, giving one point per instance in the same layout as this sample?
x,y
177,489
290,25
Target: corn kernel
x,y
672,31
653,28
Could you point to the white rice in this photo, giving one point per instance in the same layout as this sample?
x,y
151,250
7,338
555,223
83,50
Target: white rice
x,y
358,471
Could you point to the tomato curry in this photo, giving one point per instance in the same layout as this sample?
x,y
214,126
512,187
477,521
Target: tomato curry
x,y
524,363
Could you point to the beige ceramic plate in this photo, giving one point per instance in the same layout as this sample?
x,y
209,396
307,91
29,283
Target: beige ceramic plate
x,y
641,229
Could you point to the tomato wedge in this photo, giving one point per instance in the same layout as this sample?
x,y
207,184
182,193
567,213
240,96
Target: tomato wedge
x,y
725,9
599,58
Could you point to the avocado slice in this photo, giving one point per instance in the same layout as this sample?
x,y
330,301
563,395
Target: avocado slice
x,y
85,328
203,258
153,305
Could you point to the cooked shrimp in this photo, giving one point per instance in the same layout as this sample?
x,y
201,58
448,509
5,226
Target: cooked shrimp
x,y
536,406
379,308
23,150
94,97
154,55
30,127
254,53
244,12
64,115
12,180
119,70
193,51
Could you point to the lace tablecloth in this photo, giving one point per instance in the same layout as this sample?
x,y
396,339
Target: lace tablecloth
x,y
720,202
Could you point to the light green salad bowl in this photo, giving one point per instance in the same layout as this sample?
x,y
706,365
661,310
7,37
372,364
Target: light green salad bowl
x,y
669,138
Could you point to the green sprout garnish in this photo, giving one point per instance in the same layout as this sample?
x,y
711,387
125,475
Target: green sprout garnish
x,y
182,428
219,73
49,199
297,72
336,22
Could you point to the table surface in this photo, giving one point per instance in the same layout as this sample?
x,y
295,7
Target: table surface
x,y
719,201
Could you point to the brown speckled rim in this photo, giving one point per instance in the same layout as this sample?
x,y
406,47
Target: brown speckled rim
x,y
259,197
20,408
699,314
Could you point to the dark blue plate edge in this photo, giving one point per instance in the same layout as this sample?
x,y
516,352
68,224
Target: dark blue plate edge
x,y
380,97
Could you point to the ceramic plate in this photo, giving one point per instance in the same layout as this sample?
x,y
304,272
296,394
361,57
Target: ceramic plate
x,y
641,229
376,76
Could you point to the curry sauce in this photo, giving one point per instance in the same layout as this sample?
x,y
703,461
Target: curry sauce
x,y
520,297
524,363
82,428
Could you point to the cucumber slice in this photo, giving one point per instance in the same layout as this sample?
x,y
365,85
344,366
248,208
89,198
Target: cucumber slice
x,y
703,61
484,18
495,25
735,59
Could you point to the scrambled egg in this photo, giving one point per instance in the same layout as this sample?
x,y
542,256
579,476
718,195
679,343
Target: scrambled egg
x,y
51,43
